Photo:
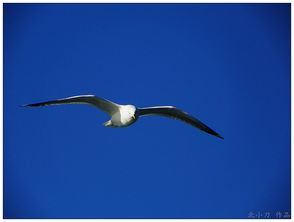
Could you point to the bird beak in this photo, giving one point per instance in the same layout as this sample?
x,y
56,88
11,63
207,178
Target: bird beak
x,y
133,116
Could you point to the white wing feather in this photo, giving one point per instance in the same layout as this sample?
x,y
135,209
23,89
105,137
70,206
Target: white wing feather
x,y
103,104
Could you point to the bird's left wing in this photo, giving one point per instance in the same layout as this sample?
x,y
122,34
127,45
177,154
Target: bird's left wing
x,y
103,104
174,113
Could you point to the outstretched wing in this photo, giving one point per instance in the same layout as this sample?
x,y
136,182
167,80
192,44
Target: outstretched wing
x,y
172,112
99,103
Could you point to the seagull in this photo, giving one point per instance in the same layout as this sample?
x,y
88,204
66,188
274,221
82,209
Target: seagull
x,y
125,115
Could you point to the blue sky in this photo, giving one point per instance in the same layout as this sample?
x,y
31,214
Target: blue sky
x,y
226,64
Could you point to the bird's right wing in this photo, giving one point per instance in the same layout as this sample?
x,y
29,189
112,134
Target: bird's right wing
x,y
99,103
174,113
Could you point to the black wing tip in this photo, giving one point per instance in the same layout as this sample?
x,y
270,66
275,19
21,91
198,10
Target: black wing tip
x,y
216,134
219,136
31,105
213,133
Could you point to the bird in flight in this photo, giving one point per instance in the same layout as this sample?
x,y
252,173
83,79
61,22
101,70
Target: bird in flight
x,y
125,115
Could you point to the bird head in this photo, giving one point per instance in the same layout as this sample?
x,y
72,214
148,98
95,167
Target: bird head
x,y
131,110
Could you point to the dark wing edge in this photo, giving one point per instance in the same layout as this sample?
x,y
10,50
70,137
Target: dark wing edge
x,y
174,113
93,100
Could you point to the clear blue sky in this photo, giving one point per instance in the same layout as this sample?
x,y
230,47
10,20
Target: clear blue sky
x,y
227,64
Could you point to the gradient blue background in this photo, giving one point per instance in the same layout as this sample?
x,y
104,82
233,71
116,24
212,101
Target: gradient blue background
x,y
227,64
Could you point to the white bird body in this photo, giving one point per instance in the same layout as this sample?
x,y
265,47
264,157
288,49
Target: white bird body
x,y
125,115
